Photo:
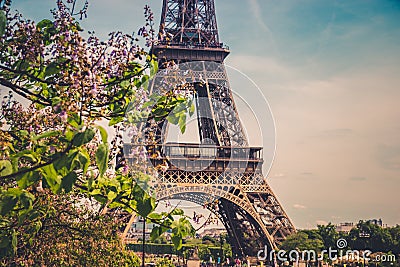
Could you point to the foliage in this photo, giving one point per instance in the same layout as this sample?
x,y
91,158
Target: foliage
x,y
227,250
212,247
208,240
53,140
193,241
367,235
164,263
152,248
78,236
303,241
328,234
160,240
395,233
204,253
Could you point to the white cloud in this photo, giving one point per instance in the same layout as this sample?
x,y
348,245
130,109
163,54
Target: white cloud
x,y
299,206
277,175
256,10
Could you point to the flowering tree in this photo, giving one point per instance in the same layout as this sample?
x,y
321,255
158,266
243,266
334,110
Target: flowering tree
x,y
63,238
52,141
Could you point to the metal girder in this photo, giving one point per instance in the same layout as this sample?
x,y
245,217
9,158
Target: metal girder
x,y
252,219
242,198
218,117
189,22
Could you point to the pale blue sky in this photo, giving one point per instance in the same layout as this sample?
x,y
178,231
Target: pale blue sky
x,y
330,70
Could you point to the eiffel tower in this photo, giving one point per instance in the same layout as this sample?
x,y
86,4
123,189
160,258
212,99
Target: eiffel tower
x,y
222,173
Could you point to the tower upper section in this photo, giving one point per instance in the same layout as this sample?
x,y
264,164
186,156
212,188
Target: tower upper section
x,y
189,32
189,22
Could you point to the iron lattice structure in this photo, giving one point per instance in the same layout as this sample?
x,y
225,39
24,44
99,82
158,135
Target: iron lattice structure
x,y
189,22
223,172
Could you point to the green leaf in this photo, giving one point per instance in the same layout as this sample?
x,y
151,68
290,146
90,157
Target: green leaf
x,y
177,212
33,215
125,84
23,132
148,104
4,241
95,192
146,205
61,161
27,199
115,120
45,23
155,216
182,227
177,241
191,109
68,181
173,119
78,26
47,28
75,121
55,100
7,203
28,179
103,134
154,233
145,79
28,154
69,135
14,192
153,67
182,123
45,135
84,159
52,179
14,241
38,226
181,107
5,167
51,69
160,113
78,159
3,22
83,138
111,195
157,232
101,199
102,158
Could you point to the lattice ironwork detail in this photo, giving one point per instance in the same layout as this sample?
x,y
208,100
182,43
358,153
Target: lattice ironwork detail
x,y
190,22
225,129
230,185
257,214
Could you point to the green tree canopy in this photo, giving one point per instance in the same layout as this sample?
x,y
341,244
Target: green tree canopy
x,y
367,235
52,141
303,240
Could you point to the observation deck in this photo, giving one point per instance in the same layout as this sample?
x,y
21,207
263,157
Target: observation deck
x,y
183,52
199,157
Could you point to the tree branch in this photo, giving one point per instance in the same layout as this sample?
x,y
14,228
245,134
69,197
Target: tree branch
x,y
41,165
21,72
25,92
